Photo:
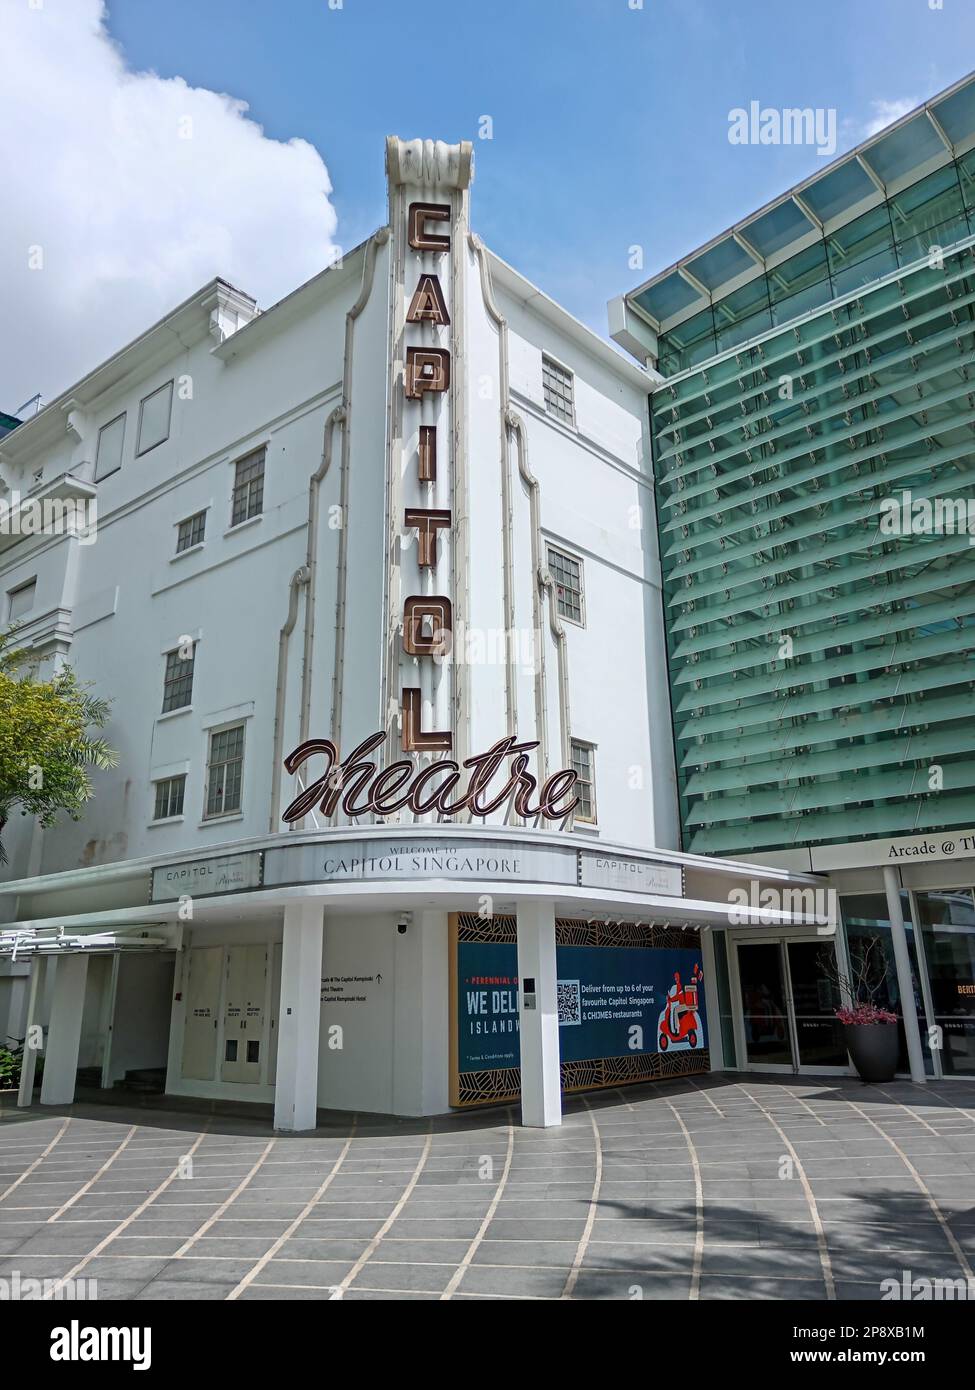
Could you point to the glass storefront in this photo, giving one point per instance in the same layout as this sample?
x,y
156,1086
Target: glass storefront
x,y
865,919
723,983
785,992
947,921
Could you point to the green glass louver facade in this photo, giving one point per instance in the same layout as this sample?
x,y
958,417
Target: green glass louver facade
x,y
772,461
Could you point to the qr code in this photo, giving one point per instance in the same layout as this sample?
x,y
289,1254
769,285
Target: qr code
x,y
570,1002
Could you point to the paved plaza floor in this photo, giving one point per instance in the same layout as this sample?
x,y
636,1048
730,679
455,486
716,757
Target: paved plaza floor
x,y
739,1187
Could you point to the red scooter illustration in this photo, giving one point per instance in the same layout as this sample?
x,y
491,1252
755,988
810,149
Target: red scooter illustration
x,y
679,1025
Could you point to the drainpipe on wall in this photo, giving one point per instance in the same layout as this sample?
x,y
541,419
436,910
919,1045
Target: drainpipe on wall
x,y
905,979
298,581
337,417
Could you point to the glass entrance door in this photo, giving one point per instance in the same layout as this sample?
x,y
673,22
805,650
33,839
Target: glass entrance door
x,y
765,1019
787,1004
814,996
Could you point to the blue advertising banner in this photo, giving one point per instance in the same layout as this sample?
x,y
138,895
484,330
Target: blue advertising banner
x,y
613,1001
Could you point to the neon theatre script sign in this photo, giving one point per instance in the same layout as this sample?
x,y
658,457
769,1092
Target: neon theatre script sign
x,y
502,771
362,789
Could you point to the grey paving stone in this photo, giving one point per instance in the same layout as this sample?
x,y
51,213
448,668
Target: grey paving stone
x,y
526,1252
463,1229
307,1247
58,1240
505,1280
267,1293
187,1269
358,1295
170,1290
431,1278
620,1286
723,1286
429,1251
323,1273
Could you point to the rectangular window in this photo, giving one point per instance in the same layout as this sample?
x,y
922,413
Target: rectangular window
x,y
248,487
191,531
225,772
178,681
583,762
108,454
21,600
557,390
169,798
566,571
154,415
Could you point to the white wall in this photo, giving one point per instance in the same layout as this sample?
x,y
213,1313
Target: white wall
x,y
143,1007
127,598
394,1036
14,986
96,1017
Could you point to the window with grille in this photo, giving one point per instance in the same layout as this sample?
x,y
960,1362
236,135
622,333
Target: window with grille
x,y
248,487
178,681
191,531
557,390
169,798
225,772
583,763
566,572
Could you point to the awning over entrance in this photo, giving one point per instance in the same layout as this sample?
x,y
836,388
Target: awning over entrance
x,y
362,868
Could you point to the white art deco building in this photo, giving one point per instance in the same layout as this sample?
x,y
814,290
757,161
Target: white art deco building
x,y
375,591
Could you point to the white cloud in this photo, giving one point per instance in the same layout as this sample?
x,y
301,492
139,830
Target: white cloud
x,y
129,216
885,113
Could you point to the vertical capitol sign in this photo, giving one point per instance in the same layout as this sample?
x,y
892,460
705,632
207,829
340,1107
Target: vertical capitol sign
x,y
428,184
425,689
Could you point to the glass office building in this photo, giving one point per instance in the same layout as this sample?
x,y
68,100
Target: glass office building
x,y
813,436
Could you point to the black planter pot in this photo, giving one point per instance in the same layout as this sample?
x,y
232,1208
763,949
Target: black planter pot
x,y
874,1049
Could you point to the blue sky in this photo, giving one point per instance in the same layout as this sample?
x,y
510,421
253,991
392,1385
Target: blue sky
x,y
610,129
610,124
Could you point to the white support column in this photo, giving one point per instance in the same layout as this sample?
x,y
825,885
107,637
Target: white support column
x,y
299,1016
541,1091
421,1024
35,995
64,1034
905,980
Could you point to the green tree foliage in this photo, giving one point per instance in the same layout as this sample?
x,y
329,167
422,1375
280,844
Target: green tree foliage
x,y
47,744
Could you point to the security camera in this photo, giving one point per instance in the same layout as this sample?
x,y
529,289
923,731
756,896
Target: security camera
x,y
405,918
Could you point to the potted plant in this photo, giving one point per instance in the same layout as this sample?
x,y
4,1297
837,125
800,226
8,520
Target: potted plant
x,y
870,1031
871,1040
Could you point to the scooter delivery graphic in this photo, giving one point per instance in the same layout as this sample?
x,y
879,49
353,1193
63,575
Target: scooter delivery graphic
x,y
679,1025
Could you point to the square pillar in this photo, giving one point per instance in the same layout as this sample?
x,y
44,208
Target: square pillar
x,y
421,1022
905,977
64,1034
35,998
541,1084
299,1017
